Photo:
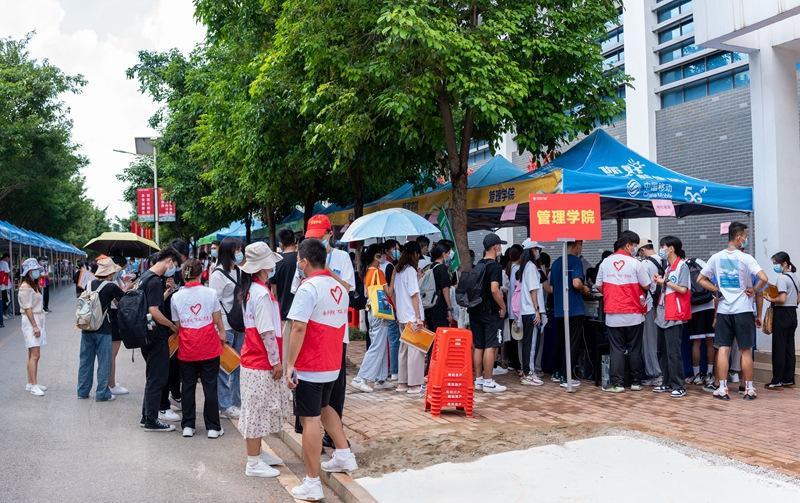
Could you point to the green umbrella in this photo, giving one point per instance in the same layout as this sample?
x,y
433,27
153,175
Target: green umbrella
x,y
126,244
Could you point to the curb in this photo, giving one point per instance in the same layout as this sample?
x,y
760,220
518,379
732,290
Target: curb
x,y
342,484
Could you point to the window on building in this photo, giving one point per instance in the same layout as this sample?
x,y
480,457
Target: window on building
x,y
705,87
478,152
720,83
673,32
614,37
677,51
741,78
673,9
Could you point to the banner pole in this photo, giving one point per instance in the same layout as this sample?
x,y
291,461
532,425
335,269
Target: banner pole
x,y
566,286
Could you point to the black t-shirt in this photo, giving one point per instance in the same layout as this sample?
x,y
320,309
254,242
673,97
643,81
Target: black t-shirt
x,y
441,275
109,292
282,279
389,272
75,278
154,291
494,273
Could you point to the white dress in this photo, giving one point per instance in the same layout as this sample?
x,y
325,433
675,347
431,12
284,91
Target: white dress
x,y
31,299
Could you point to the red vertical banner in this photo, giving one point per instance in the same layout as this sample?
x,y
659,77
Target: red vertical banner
x,y
166,209
146,205
135,227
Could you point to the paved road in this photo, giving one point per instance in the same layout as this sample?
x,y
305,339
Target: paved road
x,y
59,448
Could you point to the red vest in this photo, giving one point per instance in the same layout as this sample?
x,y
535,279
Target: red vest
x,y
254,353
322,345
677,307
621,289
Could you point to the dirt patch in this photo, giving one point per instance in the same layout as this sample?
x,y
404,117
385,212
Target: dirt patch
x,y
459,444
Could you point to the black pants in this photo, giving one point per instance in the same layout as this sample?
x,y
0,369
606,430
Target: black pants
x,y
620,339
46,298
5,301
156,359
784,324
669,355
575,336
208,371
337,395
433,324
527,342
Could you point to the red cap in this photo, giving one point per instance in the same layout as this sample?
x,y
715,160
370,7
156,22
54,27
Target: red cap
x,y
318,226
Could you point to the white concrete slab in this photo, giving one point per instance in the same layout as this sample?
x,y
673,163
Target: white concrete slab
x,y
613,469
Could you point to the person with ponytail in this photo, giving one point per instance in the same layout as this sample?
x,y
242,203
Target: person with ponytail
x,y
197,314
375,366
784,322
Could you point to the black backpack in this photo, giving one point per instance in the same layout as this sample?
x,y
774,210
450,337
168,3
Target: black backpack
x,y
700,295
235,316
660,266
358,300
469,292
132,317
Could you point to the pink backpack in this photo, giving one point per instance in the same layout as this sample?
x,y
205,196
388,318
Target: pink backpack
x,y
516,299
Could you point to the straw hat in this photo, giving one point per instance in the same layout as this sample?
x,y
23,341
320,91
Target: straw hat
x,y
259,256
29,265
106,267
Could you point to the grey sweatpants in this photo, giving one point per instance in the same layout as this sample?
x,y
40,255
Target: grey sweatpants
x,y
650,345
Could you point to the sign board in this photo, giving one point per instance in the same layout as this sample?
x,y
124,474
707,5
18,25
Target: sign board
x,y
723,227
509,212
663,208
166,209
146,208
447,233
557,216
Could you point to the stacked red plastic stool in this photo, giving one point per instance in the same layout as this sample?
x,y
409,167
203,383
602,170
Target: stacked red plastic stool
x,y
450,382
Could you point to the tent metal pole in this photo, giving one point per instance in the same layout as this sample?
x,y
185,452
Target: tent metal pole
x,y
11,276
751,244
619,226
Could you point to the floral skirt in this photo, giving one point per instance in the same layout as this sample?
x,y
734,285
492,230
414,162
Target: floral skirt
x,y
265,403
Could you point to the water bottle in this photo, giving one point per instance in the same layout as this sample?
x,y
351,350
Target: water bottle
x,y
150,323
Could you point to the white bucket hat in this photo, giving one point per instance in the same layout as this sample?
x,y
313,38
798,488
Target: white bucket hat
x,y
29,265
259,256
528,244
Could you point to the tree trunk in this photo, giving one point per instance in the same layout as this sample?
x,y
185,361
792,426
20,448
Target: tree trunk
x,y
247,224
269,215
357,180
308,207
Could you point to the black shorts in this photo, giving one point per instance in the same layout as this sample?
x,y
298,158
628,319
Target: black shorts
x,y
741,326
701,325
487,331
115,335
311,397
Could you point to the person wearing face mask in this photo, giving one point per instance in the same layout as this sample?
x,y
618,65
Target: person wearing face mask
x,y
156,355
623,281
224,280
653,263
733,270
391,254
281,281
33,321
44,283
673,310
441,314
784,322
172,393
116,337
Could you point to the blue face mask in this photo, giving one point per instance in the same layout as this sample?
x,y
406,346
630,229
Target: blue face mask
x,y
300,271
777,269
396,254
118,275
170,272
237,259
662,253
535,254
325,244
35,274
744,245
214,253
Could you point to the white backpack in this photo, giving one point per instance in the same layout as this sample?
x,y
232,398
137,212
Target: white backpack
x,y
89,313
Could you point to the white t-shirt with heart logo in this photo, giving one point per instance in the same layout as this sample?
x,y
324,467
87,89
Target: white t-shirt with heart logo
x,y
193,307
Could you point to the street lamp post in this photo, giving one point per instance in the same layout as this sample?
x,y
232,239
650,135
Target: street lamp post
x,y
144,146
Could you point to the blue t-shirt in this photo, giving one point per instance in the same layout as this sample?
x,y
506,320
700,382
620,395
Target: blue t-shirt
x,y
575,298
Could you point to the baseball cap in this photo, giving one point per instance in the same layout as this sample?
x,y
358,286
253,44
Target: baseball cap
x,y
318,226
528,244
492,240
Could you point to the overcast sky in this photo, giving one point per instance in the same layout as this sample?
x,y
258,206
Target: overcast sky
x,y
100,40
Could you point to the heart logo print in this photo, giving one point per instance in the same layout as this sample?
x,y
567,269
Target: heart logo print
x,y
196,308
619,265
337,293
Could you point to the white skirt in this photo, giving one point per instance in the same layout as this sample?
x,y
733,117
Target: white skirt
x,y
31,341
265,403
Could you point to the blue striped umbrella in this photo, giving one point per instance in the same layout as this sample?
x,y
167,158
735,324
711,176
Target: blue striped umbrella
x,y
388,223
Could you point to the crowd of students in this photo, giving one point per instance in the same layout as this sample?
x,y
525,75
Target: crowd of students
x,y
286,315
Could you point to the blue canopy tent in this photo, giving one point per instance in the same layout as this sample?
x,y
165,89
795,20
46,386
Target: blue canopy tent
x,y
236,229
626,181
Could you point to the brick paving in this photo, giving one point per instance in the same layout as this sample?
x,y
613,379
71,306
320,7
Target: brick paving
x,y
762,432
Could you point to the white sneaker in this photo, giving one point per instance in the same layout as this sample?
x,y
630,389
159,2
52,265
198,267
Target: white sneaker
x,y
360,384
269,459
188,432
168,415
232,413
36,390
393,377
119,390
340,463
41,387
498,371
493,388
478,385
575,383
308,491
261,469
215,433
733,376
175,403
383,385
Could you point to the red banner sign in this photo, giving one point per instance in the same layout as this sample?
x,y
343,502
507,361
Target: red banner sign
x,y
146,205
561,216
136,228
166,209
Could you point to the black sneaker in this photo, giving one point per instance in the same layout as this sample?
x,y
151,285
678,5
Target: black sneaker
x,y
142,422
751,395
710,387
662,389
158,425
790,385
774,386
741,389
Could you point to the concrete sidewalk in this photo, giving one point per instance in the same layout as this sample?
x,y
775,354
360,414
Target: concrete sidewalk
x,y
59,448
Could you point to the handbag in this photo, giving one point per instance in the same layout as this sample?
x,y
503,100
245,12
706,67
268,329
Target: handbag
x,y
379,303
766,326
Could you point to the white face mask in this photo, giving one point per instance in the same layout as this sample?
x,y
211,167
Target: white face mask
x,y
382,260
